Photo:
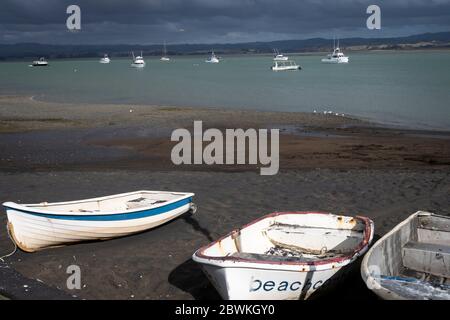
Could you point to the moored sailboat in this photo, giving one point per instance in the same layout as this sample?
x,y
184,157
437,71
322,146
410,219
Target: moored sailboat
x,y
212,58
165,57
105,59
337,56
40,63
138,61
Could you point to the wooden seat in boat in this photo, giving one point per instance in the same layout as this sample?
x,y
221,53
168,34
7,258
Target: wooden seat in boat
x,y
429,258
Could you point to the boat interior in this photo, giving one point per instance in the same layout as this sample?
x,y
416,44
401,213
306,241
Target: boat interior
x,y
422,268
116,203
292,237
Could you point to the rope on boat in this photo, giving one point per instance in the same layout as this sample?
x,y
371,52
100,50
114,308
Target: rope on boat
x,y
15,246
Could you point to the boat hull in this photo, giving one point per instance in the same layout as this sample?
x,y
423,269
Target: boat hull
x,y
292,68
32,232
336,61
238,283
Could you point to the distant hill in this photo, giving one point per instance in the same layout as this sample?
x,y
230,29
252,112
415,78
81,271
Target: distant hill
x,y
34,50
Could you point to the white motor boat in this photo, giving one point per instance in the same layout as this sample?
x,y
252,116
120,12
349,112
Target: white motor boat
x,y
285,255
164,55
336,57
105,59
279,57
40,63
285,65
412,261
138,62
212,58
37,226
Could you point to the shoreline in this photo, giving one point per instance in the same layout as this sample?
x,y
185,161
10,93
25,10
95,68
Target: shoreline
x,y
364,120
40,114
34,99
55,136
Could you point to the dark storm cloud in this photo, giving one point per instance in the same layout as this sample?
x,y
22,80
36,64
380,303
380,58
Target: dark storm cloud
x,y
152,21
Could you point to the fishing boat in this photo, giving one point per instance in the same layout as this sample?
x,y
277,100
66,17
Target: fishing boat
x,y
212,58
285,255
285,66
164,55
37,226
412,261
105,59
138,62
278,56
337,56
40,63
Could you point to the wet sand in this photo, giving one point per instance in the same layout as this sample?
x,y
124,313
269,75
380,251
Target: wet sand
x,y
328,163
50,136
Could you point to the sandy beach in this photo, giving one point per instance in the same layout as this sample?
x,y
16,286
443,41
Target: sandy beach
x,y
58,152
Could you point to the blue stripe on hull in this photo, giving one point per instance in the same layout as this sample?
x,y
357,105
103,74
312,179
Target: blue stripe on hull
x,y
113,217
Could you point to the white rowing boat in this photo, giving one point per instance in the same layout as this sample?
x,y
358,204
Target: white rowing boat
x,y
285,255
38,226
412,261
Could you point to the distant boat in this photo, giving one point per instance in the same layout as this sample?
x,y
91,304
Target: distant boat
x,y
105,59
164,55
212,58
337,56
40,63
412,261
37,226
285,66
278,56
138,62
285,255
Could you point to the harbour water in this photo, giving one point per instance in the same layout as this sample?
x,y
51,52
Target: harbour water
x,y
409,89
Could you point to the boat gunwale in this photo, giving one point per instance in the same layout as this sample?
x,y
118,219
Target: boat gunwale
x,y
29,208
361,248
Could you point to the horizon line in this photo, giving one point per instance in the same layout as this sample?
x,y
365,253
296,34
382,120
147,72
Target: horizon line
x,y
221,43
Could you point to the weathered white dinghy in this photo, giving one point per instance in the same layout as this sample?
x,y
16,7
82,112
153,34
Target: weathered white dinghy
x,y
37,226
412,261
284,255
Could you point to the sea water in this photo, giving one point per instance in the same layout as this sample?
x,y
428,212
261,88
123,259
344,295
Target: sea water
x,y
409,89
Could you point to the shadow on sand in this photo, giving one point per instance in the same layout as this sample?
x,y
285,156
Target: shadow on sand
x,y
190,278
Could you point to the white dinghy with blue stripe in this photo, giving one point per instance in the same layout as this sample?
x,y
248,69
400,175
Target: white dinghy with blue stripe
x,y
37,226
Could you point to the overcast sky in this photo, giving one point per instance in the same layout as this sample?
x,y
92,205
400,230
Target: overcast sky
x,y
209,21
